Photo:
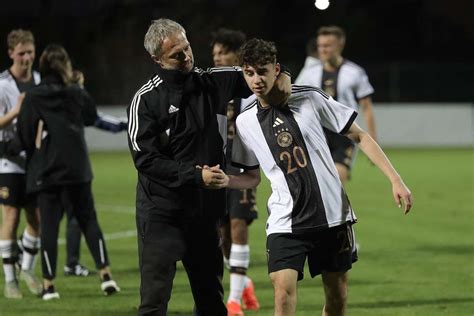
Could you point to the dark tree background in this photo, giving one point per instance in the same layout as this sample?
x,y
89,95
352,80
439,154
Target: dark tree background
x,y
413,50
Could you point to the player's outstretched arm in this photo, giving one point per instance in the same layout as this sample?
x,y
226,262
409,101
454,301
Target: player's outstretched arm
x,y
367,109
400,191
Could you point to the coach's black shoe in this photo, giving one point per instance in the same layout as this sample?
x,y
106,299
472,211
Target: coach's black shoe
x,y
49,294
109,286
77,270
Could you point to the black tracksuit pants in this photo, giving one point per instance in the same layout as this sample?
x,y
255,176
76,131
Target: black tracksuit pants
x,y
77,201
73,242
160,245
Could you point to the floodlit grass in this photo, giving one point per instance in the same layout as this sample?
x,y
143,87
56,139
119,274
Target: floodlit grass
x,y
419,264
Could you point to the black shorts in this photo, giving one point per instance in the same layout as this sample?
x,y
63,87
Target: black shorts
x,y
343,150
13,189
242,204
330,250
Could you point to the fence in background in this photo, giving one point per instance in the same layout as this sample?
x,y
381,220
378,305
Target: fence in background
x,y
414,125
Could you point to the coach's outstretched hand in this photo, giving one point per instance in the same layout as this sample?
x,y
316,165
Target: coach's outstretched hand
x,y
281,91
401,193
213,177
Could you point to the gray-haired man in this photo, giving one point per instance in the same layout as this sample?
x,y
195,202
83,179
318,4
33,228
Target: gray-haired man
x,y
176,129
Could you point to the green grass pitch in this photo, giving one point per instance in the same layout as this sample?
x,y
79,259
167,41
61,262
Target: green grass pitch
x,y
419,264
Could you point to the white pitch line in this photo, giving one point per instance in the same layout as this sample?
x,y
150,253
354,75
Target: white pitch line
x,y
115,209
111,236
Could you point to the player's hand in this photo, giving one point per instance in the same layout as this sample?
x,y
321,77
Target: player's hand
x,y
281,91
402,195
214,178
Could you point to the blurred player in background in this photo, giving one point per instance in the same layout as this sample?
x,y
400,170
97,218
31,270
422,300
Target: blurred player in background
x,y
310,217
51,130
73,232
347,83
241,204
14,81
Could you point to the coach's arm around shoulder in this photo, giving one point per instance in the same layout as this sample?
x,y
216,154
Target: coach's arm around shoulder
x,y
400,191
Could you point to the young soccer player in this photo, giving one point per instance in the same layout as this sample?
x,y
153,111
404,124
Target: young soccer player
x,y
309,213
241,204
345,82
14,82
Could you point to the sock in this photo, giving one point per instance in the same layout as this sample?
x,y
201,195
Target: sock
x,y
6,250
239,262
247,282
237,282
30,247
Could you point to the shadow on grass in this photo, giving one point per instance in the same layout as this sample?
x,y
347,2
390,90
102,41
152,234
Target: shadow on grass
x,y
462,250
396,304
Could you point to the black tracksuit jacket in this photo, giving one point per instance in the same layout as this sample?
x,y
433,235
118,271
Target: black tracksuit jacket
x,y
178,121
56,153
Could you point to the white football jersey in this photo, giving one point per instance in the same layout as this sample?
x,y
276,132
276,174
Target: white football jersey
x,y
9,94
290,146
352,82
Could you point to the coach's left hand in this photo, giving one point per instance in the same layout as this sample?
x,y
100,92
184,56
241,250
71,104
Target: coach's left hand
x,y
281,90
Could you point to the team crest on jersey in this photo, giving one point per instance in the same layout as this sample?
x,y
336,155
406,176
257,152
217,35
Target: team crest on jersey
x,y
284,138
4,192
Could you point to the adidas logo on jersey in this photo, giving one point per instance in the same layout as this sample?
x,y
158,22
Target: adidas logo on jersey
x,y
277,122
172,109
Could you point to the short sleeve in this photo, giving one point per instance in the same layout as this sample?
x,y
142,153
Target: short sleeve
x,y
334,116
363,88
242,156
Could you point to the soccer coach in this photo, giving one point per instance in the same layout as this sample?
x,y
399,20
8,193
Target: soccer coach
x,y
176,127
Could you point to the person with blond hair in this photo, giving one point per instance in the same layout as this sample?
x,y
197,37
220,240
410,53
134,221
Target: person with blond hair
x,y
14,82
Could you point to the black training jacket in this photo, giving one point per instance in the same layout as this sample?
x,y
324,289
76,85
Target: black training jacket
x,y
177,121
51,129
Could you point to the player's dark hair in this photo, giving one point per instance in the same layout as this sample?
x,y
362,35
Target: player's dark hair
x,y
231,39
332,30
55,61
257,52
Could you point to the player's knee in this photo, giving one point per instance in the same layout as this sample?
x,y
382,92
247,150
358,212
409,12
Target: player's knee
x,y
285,296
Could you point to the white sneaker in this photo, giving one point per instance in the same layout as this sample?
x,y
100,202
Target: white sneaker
x,y
12,290
32,282
109,286
49,294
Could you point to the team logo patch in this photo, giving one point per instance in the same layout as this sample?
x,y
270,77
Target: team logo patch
x,y
284,139
4,193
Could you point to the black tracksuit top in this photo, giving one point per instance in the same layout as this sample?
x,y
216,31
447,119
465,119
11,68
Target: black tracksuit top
x,y
178,121
58,154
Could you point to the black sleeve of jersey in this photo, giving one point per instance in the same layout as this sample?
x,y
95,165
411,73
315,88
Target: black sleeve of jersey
x,y
285,70
89,110
229,82
145,135
27,125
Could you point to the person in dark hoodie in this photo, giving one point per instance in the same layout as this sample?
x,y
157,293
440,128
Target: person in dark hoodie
x,y
51,130
177,126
